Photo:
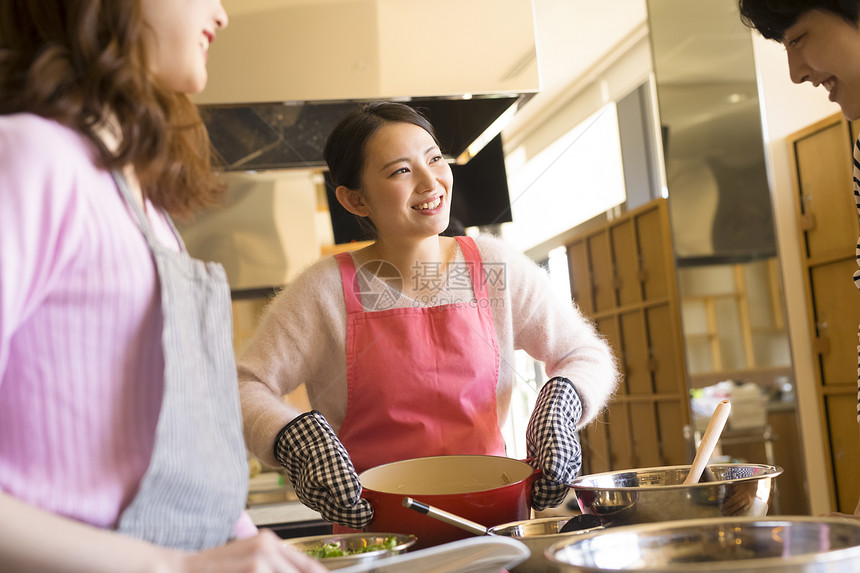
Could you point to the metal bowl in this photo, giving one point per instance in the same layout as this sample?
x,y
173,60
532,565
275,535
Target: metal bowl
x,y
658,494
752,545
353,542
538,535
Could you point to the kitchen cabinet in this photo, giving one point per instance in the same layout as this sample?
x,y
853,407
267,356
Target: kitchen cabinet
x,y
622,278
733,321
776,443
828,227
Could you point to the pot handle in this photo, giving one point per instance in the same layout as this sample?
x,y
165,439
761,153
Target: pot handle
x,y
538,472
537,469
445,516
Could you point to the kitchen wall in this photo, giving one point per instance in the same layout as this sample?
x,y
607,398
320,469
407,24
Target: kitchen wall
x,y
624,68
276,228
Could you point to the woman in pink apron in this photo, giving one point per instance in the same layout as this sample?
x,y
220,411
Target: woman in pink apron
x,y
120,432
405,346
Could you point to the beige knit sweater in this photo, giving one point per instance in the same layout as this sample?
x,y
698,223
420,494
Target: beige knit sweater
x,y
301,339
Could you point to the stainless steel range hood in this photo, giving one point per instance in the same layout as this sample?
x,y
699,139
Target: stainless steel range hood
x,y
285,71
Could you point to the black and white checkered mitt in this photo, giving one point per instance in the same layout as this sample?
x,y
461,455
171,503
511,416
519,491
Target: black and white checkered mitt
x,y
552,443
321,471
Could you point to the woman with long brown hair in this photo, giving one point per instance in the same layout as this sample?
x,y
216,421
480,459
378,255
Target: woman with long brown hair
x,y
120,436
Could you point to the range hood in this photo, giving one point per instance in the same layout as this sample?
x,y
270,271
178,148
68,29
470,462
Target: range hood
x,y
285,71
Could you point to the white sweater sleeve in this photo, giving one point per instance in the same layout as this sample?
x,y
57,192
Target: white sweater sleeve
x,y
549,329
300,340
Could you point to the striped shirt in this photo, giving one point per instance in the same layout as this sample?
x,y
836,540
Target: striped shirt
x,y
857,255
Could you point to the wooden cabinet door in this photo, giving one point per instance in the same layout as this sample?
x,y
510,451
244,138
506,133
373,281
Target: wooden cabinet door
x,y
595,447
657,262
634,341
602,271
855,130
580,276
633,301
844,431
672,416
625,253
610,330
823,170
665,364
620,437
646,450
836,311
827,219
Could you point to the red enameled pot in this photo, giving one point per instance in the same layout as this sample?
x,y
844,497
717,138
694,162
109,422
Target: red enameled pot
x,y
489,490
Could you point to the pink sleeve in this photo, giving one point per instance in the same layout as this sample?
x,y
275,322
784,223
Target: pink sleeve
x,y
40,225
244,527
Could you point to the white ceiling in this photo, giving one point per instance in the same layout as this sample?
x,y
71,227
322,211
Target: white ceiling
x,y
572,37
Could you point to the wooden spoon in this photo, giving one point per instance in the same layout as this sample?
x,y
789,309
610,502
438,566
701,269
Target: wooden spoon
x,y
709,441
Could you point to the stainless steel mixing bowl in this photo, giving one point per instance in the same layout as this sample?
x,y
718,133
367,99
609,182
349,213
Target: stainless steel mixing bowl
x,y
538,535
645,495
752,545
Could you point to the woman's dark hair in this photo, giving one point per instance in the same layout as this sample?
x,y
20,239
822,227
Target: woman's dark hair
x,y
345,147
773,17
82,62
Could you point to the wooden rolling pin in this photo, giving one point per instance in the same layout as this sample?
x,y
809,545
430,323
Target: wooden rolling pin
x,y
709,441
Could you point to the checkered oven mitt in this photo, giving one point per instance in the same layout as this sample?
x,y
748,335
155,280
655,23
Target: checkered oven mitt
x,y
552,443
321,471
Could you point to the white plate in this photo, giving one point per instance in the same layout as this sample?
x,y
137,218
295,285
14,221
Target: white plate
x,y
486,554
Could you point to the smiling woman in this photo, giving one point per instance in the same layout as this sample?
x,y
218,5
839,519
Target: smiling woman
x,y
447,329
180,38
405,185
392,162
101,377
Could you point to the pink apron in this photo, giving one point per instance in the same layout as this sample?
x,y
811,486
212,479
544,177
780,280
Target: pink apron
x,y
421,381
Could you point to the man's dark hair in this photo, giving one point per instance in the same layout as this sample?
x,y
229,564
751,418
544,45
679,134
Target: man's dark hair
x,y
773,17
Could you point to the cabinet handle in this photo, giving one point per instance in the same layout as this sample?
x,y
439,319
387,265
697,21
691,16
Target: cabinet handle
x,y
807,222
652,365
821,345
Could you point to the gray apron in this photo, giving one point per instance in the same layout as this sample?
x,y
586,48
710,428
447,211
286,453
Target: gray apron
x,y
195,487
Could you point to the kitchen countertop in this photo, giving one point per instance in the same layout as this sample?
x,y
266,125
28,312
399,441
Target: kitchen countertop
x,y
290,510
279,513
273,502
